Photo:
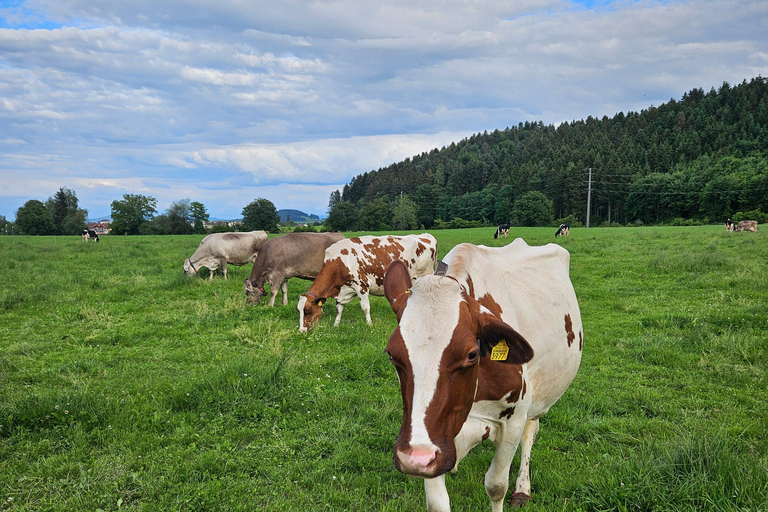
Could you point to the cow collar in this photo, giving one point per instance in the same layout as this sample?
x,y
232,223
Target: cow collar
x,y
193,266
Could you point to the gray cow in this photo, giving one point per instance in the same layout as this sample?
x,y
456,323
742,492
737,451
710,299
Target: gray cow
x,y
747,225
218,249
293,255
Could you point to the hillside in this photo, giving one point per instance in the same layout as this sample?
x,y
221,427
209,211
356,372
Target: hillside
x,y
297,216
702,157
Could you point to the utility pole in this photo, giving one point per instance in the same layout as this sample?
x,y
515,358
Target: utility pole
x,y
589,195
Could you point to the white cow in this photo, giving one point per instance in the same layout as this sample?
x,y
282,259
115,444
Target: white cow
x,y
481,352
218,249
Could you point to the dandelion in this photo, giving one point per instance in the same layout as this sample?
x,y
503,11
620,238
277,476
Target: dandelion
x,y
57,407
66,412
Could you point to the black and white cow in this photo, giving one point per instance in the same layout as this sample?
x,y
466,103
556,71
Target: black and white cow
x,y
729,225
89,234
503,229
563,230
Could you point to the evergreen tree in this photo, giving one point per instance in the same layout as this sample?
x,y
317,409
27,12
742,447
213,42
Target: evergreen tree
x,y
342,217
199,216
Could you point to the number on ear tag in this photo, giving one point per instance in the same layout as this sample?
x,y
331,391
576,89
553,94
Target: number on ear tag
x,y
500,351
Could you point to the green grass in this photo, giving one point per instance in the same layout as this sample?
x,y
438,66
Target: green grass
x,y
125,385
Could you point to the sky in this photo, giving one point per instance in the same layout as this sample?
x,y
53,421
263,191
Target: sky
x,y
228,101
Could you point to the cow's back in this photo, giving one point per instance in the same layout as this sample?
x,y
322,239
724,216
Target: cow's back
x,y
295,254
532,288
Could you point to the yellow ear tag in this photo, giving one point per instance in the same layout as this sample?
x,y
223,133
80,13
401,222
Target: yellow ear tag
x,y
500,351
320,303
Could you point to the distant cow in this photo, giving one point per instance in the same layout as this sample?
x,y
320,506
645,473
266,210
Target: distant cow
x,y
746,225
356,266
503,229
729,225
89,234
481,352
563,230
293,255
218,249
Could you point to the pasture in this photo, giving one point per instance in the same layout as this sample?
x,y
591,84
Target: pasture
x,y
125,385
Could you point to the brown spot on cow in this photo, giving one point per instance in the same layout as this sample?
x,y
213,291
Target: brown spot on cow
x,y
471,289
507,413
344,251
569,329
490,304
581,341
525,388
487,433
420,248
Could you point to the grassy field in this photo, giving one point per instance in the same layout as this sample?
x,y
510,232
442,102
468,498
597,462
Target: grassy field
x,y
125,385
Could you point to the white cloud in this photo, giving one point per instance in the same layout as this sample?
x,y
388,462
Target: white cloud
x,y
220,100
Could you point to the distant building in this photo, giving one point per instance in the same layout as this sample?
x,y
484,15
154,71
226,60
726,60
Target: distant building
x,y
101,227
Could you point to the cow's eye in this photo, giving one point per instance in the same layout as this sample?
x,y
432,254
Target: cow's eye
x,y
472,356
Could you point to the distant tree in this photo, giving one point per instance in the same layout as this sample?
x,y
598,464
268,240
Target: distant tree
x,y
180,218
34,219
404,214
199,216
427,198
334,199
131,213
374,216
66,216
342,217
533,209
261,214
3,224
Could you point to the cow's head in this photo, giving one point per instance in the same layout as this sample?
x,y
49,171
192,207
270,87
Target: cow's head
x,y
189,268
253,291
310,310
442,337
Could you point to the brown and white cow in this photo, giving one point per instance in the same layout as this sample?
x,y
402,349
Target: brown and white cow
x,y
218,249
356,267
481,352
293,255
746,225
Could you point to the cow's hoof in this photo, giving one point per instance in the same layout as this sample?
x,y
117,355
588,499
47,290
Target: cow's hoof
x,y
519,499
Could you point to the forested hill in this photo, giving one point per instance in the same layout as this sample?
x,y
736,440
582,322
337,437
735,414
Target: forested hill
x,y
704,156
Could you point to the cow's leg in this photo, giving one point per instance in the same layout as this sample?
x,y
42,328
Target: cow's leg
x,y
284,288
339,311
437,494
273,289
223,263
497,477
523,483
365,305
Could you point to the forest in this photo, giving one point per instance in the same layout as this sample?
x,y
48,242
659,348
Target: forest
x,y
696,160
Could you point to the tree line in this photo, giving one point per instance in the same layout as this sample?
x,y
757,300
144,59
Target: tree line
x,y
700,159
134,214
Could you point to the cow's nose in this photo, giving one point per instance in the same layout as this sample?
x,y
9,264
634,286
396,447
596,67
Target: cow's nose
x,y
417,460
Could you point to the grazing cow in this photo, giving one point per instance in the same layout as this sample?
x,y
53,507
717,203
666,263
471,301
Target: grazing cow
x,y
293,255
563,230
746,225
503,229
729,225
356,266
89,234
218,249
481,352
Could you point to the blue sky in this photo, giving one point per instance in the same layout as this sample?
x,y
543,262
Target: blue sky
x,y
223,102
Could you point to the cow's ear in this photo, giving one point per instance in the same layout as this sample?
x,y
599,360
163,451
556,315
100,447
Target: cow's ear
x,y
503,342
397,286
320,301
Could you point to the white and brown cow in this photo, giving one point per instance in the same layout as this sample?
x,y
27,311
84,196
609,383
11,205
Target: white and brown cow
x,y
218,249
746,225
481,352
293,255
356,267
